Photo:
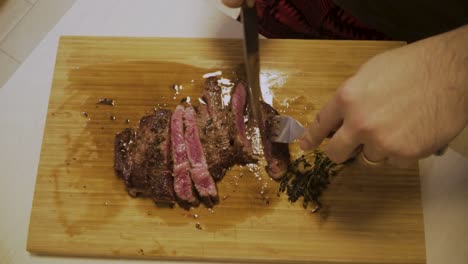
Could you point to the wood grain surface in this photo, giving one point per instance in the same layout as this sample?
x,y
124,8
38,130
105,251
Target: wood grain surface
x,y
80,208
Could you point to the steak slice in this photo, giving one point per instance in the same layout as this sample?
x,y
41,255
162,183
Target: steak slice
x,y
147,164
276,154
182,182
238,108
201,177
208,137
215,126
222,128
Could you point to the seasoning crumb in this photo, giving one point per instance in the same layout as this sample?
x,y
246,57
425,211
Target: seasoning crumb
x,y
267,202
106,101
127,121
198,226
85,114
225,197
84,186
210,210
195,216
106,203
185,100
112,118
148,213
315,209
141,251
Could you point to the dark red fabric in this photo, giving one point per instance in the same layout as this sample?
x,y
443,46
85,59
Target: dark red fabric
x,y
311,19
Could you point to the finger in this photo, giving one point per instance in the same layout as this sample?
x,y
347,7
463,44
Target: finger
x,y
233,3
328,120
342,146
373,155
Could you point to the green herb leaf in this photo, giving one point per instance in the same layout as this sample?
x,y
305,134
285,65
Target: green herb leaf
x,y
307,180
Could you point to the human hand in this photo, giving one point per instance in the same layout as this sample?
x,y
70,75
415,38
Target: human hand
x,y
401,105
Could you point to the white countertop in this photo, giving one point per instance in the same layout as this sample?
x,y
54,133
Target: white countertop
x,y
23,107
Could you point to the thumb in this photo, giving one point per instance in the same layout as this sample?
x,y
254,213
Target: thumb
x,y
327,121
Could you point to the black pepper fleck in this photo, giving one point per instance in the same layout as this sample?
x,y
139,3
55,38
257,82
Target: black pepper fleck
x,y
106,101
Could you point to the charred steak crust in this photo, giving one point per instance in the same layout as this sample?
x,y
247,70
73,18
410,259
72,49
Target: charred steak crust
x,y
147,166
122,161
222,128
215,130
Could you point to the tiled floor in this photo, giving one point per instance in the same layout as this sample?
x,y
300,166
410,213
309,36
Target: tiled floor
x,y
23,24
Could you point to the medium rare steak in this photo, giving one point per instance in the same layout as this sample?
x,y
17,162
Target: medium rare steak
x,y
222,128
216,132
181,168
238,108
276,154
201,177
181,155
143,158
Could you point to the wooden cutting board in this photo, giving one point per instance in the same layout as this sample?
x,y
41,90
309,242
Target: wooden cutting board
x,y
80,207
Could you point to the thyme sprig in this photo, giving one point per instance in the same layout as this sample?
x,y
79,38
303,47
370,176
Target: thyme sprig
x,y
309,179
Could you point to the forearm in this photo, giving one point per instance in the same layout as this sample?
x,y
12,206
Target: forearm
x,y
454,54
445,64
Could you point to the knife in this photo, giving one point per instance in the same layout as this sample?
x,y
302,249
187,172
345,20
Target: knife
x,y
252,63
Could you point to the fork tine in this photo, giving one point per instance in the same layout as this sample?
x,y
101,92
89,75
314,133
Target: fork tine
x,y
286,129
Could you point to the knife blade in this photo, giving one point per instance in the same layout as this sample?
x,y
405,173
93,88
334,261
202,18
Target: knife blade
x,y
252,63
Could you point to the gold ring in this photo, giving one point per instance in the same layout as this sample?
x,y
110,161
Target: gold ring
x,y
370,163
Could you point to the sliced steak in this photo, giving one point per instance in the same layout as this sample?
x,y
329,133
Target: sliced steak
x,y
215,126
182,181
222,128
147,166
179,155
238,108
276,154
201,177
